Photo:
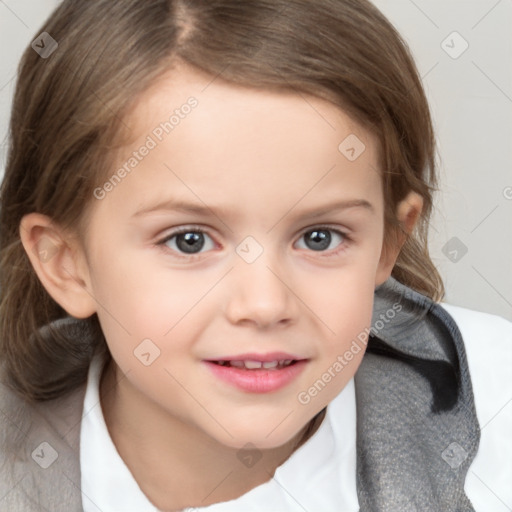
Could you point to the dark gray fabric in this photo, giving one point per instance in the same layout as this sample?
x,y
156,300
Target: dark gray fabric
x,y
408,458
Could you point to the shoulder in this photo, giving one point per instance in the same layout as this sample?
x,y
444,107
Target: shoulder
x,y
487,340
15,421
23,417
488,344
478,322
39,452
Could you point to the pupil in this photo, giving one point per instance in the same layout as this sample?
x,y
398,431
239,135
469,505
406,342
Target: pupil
x,y
190,242
318,240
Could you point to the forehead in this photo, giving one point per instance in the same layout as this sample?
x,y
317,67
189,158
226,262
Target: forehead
x,y
244,143
258,111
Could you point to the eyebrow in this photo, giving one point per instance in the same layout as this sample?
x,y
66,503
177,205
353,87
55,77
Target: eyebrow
x,y
204,210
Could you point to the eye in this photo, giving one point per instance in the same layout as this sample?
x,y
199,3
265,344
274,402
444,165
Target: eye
x,y
321,239
188,241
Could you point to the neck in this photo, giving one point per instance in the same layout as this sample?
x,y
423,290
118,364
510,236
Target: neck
x,y
176,464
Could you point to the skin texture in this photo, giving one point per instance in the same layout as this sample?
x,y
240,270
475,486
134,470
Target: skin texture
x,y
260,161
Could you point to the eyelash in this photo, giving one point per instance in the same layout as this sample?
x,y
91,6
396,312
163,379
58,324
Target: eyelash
x,y
347,240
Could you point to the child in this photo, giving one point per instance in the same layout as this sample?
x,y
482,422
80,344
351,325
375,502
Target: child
x,y
299,359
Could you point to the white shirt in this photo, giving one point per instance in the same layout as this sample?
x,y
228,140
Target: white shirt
x,y
321,474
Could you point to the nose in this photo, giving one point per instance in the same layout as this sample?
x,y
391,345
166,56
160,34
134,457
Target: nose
x,y
261,295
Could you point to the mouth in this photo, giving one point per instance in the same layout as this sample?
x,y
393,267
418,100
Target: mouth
x,y
256,365
254,375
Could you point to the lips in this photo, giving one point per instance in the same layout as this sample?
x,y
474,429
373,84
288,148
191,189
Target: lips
x,y
257,365
263,357
257,373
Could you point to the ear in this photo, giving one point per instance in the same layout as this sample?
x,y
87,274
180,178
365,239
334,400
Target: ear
x,y
408,213
59,263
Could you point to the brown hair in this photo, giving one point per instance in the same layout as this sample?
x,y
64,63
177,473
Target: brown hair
x,y
68,113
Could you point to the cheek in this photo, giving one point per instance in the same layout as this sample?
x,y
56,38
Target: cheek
x,y
139,301
135,289
351,323
343,299
345,311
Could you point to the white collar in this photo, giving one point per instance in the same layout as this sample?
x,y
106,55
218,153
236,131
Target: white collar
x,y
320,475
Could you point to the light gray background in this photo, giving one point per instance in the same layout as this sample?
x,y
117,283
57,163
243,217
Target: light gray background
x,y
471,100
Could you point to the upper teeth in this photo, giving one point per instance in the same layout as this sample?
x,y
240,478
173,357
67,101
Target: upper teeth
x,y
253,365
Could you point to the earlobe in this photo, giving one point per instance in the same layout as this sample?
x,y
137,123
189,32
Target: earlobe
x,y
58,263
408,213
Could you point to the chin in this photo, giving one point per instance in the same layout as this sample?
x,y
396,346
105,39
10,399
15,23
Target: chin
x,y
257,436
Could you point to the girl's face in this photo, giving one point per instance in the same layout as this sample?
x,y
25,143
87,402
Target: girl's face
x,y
280,210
